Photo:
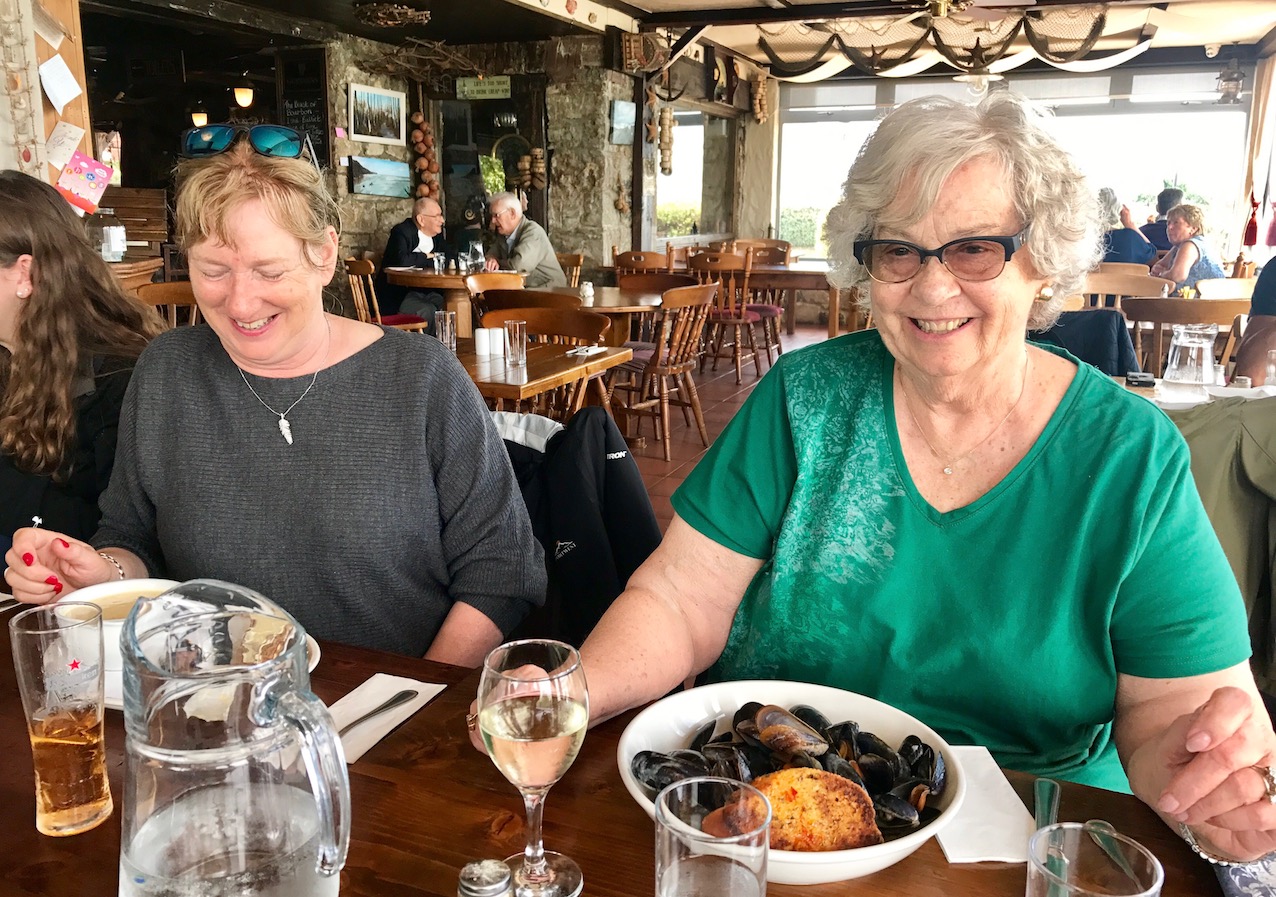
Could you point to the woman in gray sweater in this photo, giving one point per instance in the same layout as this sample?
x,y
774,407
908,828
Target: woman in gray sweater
x,y
262,448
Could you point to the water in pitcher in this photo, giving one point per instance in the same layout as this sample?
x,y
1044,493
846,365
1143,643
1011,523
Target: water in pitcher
x,y
210,843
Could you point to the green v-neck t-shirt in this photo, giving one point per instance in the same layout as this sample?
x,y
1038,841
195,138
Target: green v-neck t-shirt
x,y
1003,623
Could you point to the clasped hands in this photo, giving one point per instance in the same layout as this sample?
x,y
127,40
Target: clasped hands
x,y
1211,770
44,565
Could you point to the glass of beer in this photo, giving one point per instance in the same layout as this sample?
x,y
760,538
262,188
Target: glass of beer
x,y
533,709
57,654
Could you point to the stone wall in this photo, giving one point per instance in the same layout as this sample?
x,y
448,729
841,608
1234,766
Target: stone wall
x,y
365,220
589,172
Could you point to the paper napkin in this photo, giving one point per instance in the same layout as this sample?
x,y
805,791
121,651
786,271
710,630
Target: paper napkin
x,y
370,695
992,825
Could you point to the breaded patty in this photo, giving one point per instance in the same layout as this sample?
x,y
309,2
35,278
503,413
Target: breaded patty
x,y
816,810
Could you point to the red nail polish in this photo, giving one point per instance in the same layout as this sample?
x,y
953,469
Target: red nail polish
x,y
57,589
53,581
28,558
65,543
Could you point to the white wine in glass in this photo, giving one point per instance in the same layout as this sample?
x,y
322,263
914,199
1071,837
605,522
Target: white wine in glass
x,y
533,709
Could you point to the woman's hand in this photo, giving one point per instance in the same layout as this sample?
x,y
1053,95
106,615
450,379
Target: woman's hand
x,y
44,565
1207,766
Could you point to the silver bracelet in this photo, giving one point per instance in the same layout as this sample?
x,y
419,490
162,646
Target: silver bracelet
x,y
118,566
1205,854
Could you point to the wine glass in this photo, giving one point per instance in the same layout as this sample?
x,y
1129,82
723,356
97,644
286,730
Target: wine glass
x,y
533,709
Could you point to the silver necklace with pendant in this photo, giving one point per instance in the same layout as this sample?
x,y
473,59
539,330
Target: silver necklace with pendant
x,y
285,427
948,466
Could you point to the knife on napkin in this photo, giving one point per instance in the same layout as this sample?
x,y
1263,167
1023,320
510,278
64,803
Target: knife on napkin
x,y
370,695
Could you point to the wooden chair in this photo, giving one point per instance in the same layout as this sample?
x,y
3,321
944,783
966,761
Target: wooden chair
x,y
1227,357
766,255
636,262
361,273
476,284
167,298
499,300
1100,287
571,263
662,375
784,246
1167,311
679,255
642,324
729,321
1226,287
565,326
1123,268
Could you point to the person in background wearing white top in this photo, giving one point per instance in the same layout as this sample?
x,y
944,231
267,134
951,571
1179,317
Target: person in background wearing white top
x,y
412,242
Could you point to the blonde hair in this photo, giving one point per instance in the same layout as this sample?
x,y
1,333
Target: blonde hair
x,y
1191,215
921,143
209,190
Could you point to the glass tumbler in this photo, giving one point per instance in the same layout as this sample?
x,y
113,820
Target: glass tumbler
x,y
711,838
516,342
1074,859
445,328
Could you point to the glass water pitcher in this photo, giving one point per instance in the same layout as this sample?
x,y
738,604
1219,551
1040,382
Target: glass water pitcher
x,y
235,780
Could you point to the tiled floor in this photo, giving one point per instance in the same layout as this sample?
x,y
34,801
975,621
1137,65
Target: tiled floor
x,y
720,398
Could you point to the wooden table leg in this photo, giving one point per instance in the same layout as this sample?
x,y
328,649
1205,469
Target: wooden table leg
x,y
788,300
835,309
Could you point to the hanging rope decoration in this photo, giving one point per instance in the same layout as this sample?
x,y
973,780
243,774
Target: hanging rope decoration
x,y
666,140
875,46
390,15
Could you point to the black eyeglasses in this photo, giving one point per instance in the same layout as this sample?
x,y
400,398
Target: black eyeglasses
x,y
970,258
275,141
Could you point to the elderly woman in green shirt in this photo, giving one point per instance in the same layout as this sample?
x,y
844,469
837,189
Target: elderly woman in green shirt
x,y
984,532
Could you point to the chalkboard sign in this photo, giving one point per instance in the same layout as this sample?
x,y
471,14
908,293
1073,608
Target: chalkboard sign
x,y
301,81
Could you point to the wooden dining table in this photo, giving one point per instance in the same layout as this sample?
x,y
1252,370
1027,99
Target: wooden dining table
x,y
619,304
450,284
548,367
425,803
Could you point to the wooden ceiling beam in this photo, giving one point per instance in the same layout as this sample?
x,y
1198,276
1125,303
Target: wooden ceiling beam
x,y
227,12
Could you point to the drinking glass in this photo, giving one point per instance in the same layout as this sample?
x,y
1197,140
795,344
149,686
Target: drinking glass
x,y
533,708
1075,859
711,838
57,653
516,338
445,328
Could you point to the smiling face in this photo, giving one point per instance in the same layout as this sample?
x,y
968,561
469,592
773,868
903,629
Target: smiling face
x,y
938,326
429,218
263,295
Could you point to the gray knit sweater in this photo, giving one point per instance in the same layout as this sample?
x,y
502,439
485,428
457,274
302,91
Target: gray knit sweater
x,y
391,504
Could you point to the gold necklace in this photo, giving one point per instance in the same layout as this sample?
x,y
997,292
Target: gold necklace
x,y
949,465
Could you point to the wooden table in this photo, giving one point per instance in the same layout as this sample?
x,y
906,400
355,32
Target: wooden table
x,y
425,803
451,284
617,303
548,367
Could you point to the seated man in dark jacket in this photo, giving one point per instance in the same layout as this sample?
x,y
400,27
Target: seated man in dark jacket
x,y
412,243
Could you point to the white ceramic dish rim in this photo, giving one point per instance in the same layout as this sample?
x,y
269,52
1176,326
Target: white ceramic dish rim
x,y
783,691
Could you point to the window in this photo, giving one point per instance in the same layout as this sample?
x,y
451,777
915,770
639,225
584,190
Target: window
x,y
696,198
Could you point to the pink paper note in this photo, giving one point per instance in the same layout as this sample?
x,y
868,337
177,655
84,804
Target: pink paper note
x,y
83,180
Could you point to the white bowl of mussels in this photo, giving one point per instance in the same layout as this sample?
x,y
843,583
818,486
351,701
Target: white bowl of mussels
x,y
914,754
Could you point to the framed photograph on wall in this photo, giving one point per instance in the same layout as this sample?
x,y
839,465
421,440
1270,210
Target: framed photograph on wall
x,y
622,122
377,115
380,177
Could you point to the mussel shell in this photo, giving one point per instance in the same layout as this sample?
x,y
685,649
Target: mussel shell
x,y
730,761
781,731
894,812
842,738
703,735
657,771
813,718
878,773
746,712
868,743
914,791
834,763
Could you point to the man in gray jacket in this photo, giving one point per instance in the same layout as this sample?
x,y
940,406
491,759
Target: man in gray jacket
x,y
522,245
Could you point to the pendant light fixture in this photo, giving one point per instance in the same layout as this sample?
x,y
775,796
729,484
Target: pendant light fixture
x,y
244,91
1231,80
199,115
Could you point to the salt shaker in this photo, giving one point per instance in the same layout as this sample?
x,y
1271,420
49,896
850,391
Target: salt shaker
x,y
587,293
485,878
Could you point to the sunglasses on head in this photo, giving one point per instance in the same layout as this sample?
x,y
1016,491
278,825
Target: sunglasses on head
x,y
275,141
